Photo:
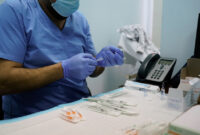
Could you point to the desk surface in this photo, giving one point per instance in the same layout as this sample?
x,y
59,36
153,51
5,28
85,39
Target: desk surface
x,y
150,107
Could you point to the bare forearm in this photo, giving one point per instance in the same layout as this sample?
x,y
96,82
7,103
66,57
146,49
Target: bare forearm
x,y
97,72
22,79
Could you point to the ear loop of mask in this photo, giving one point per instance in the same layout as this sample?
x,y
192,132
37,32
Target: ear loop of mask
x,y
53,12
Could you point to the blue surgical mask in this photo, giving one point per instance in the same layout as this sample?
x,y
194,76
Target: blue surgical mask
x,y
65,7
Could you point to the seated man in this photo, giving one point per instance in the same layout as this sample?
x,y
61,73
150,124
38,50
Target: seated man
x,y
46,55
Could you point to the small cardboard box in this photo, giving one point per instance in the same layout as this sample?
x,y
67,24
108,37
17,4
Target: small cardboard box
x,y
192,69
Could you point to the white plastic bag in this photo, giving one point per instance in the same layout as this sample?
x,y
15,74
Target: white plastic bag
x,y
135,42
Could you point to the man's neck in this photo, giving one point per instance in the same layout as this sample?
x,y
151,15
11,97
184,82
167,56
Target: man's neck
x,y
58,20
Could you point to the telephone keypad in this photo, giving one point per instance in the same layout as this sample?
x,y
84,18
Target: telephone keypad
x,y
160,69
157,74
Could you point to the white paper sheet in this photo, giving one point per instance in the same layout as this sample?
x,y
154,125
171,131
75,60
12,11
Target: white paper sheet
x,y
150,108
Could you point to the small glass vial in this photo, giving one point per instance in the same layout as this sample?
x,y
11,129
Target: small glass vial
x,y
162,91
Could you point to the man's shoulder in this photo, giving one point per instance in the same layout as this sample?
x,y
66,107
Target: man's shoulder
x,y
80,19
17,5
9,9
79,16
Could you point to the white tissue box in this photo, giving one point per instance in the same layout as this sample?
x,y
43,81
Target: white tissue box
x,y
179,100
186,124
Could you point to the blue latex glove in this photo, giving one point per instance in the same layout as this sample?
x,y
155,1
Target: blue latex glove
x,y
110,56
79,66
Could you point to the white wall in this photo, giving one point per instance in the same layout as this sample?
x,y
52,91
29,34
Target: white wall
x,y
179,25
157,22
147,16
1,1
105,17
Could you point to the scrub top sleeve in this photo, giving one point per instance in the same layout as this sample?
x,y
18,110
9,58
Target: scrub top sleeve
x,y
89,43
12,34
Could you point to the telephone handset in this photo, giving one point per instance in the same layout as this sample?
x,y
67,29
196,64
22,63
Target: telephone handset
x,y
156,69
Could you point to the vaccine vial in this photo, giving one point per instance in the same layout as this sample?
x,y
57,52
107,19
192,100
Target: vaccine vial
x,y
162,92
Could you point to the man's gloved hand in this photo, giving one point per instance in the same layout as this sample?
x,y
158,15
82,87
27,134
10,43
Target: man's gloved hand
x,y
79,66
110,56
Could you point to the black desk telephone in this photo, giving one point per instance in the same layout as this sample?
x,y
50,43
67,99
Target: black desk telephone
x,y
155,69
